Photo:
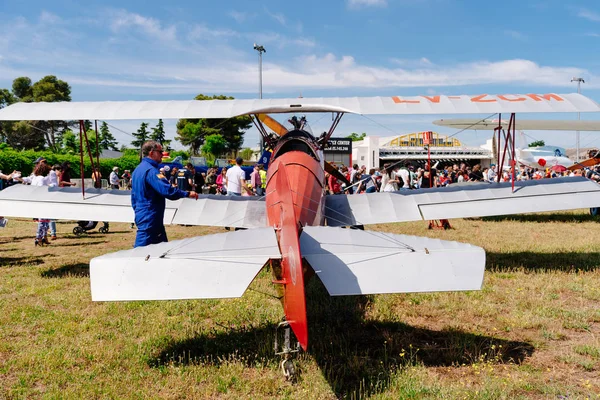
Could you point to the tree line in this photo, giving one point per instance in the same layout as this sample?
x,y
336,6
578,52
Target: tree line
x,y
210,137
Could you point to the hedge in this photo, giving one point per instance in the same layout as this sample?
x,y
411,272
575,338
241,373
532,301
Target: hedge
x,y
11,160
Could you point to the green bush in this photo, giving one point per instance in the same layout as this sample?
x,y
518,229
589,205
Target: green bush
x,y
11,160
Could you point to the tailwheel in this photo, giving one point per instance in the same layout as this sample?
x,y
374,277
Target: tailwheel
x,y
288,367
78,231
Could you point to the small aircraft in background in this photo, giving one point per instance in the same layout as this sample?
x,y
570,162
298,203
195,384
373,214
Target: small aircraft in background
x,y
540,157
296,228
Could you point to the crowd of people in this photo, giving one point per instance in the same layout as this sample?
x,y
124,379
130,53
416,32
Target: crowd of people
x,y
404,176
232,181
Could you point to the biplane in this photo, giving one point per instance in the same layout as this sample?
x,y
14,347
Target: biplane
x,y
295,228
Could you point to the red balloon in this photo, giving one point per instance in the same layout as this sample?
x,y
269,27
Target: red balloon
x,y
542,162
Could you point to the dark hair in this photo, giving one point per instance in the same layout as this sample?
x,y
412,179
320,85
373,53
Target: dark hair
x,y
239,160
149,147
41,169
189,165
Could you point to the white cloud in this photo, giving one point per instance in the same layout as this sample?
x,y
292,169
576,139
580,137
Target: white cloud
x,y
514,34
201,31
366,3
123,20
592,34
589,15
49,18
279,17
239,16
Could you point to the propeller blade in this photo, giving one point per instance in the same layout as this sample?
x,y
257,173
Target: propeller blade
x,y
330,169
273,124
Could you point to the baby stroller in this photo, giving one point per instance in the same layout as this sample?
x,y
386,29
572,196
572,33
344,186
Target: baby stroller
x,y
84,226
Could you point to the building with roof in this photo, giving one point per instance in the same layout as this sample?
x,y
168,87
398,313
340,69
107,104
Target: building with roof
x,y
374,151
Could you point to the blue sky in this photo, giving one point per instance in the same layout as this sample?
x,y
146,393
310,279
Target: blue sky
x,y
142,50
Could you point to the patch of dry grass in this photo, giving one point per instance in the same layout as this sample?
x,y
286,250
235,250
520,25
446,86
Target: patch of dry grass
x,y
532,332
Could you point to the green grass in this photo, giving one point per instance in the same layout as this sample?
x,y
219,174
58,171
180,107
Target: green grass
x,y
532,332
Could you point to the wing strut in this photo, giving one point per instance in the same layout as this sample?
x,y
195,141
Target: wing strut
x,y
506,138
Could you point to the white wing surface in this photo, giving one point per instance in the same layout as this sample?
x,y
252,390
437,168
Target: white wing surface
x,y
463,104
204,267
352,262
115,206
463,200
521,124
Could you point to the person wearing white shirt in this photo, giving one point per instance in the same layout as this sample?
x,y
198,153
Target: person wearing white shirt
x,y
114,178
235,180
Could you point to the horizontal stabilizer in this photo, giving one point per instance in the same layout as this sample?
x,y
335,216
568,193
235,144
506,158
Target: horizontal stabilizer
x,y
115,206
352,262
203,267
463,200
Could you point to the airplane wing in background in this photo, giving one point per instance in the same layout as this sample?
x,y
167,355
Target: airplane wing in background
x,y
175,109
204,267
115,206
463,200
521,124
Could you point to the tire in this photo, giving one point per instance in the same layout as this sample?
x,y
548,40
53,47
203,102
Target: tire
x,y
78,230
595,211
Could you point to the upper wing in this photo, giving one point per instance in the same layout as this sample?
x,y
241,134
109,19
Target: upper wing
x,y
522,124
204,267
115,206
462,201
464,104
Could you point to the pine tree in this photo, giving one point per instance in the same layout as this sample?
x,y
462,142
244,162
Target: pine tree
x,y
158,135
141,136
107,140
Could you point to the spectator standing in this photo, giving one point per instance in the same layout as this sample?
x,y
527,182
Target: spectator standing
x,y
65,176
97,178
114,178
126,177
221,187
41,178
235,179
185,178
149,190
255,181
263,179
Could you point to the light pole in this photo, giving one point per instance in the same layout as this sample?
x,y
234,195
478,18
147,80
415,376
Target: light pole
x,y
579,82
261,50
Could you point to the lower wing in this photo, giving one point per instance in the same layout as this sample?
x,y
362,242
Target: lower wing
x,y
115,206
463,201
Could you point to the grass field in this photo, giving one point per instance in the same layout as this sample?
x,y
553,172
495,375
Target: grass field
x,y
532,332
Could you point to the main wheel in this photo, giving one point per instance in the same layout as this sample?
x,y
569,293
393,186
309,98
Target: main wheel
x,y
289,370
103,230
78,231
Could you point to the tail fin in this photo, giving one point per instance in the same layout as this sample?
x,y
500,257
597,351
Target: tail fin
x,y
265,158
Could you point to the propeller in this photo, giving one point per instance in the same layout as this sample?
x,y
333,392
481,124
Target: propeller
x,y
281,130
273,124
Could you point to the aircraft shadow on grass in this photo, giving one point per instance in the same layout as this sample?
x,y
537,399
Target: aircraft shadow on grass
x,y
357,357
20,261
542,262
543,218
78,270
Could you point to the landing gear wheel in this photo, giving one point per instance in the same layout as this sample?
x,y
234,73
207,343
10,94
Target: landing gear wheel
x,y
289,370
595,211
103,230
78,231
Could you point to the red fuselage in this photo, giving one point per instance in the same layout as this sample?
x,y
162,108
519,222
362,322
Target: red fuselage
x,y
294,198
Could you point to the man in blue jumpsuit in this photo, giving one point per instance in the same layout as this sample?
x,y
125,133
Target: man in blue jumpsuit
x,y
148,192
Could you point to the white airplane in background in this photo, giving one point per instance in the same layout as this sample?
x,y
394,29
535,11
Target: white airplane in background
x,y
540,157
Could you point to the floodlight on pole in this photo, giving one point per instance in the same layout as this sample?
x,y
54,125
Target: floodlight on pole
x,y
261,50
579,82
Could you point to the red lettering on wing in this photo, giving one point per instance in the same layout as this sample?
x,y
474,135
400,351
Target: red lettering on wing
x,y
433,99
480,99
549,96
398,100
504,97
